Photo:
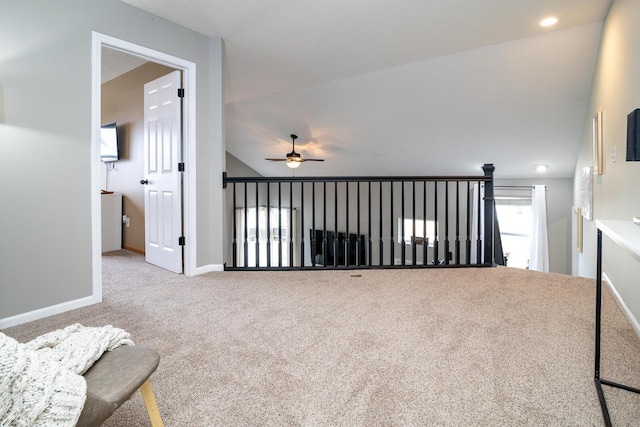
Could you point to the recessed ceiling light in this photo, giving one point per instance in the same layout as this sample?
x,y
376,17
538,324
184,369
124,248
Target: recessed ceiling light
x,y
541,168
549,21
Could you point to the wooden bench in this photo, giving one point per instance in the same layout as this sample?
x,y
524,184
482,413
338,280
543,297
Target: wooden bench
x,y
114,378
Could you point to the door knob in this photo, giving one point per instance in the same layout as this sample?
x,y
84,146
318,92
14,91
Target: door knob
x,y
144,181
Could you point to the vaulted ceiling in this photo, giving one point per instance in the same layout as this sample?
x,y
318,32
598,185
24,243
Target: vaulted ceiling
x,y
409,87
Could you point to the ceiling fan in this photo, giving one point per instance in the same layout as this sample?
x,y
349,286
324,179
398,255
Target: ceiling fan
x,y
294,159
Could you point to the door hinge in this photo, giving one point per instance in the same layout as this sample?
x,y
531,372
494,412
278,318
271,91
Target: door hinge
x,y
181,93
181,241
224,180
181,167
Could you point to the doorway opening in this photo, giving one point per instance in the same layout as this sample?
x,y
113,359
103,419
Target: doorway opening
x,y
188,70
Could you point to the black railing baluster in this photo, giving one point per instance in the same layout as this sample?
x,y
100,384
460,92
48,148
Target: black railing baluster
x,y
313,225
435,222
403,246
235,229
369,229
457,245
268,224
346,244
425,241
446,222
381,253
279,224
257,229
301,224
479,239
324,226
245,244
335,219
358,248
413,215
468,245
290,227
391,228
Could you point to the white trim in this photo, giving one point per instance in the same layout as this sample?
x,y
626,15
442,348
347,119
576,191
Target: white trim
x,y
189,137
41,313
208,269
96,211
625,309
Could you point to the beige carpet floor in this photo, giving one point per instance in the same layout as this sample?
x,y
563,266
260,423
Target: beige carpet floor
x,y
443,347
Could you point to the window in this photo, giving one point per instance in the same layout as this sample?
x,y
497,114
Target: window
x,y
276,233
420,227
514,219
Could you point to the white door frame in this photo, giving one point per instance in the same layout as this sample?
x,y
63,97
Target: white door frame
x,y
189,147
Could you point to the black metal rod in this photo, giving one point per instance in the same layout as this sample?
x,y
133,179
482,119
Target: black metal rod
x,y
403,247
468,246
279,224
324,226
347,241
380,254
446,223
302,224
358,243
268,224
257,246
435,222
235,229
479,238
245,244
457,245
313,224
620,386
413,214
391,228
335,224
290,227
355,178
425,242
369,230
603,403
596,373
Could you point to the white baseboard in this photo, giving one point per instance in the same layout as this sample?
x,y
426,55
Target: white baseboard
x,y
625,309
41,313
208,269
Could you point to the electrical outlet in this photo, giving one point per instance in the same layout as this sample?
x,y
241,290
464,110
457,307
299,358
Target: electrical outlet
x,y
614,155
126,220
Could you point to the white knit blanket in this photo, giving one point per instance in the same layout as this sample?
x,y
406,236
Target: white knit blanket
x,y
41,382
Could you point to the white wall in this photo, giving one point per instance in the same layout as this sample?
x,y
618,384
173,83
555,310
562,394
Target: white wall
x,y
616,92
45,142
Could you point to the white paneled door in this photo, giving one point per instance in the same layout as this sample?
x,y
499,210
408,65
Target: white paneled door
x,y
162,178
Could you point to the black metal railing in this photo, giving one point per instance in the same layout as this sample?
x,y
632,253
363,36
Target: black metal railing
x,y
360,222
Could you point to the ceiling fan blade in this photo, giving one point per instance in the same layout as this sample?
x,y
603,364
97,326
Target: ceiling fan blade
x,y
313,160
277,160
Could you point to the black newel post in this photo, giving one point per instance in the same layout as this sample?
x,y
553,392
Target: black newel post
x,y
488,169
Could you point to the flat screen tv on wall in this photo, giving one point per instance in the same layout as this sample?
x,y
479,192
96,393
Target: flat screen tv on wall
x,y
109,143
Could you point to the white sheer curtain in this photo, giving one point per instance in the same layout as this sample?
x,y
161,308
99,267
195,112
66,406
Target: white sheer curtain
x,y
539,239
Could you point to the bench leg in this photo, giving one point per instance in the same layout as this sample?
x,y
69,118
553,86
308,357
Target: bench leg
x,y
150,403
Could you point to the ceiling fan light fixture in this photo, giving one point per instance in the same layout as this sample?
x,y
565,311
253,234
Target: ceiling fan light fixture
x,y
548,21
293,158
